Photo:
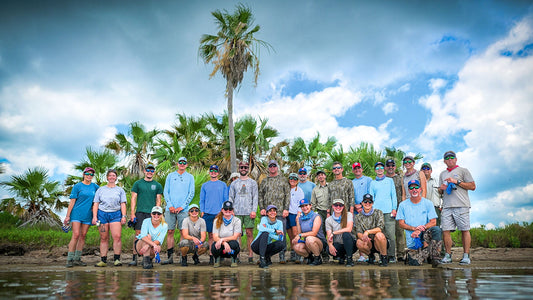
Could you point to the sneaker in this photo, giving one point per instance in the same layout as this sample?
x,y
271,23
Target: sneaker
x,y
101,264
117,263
79,262
361,259
447,259
70,263
392,260
282,257
217,262
233,262
465,260
133,263
317,261
184,261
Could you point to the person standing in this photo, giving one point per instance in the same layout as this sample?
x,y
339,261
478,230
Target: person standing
x,y
390,167
79,215
109,209
306,185
320,198
455,182
145,194
418,218
384,196
432,185
243,193
341,187
178,192
412,174
274,190
212,195
361,183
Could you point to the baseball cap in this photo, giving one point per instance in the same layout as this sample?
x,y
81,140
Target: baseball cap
x,y
426,165
234,175
193,206
390,161
89,169
150,166
303,202
273,161
157,209
408,157
338,201
368,197
272,207
448,153
379,163
414,181
227,205
182,159
356,165
320,172
302,170
213,167
293,175
243,163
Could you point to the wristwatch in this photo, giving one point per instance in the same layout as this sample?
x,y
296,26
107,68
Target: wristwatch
x,y
459,182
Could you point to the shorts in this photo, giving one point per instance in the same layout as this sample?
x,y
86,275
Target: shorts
x,y
291,221
209,219
141,216
192,246
455,217
109,217
83,222
172,219
246,221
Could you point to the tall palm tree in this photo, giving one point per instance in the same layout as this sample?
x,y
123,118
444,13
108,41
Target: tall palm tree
x,y
231,51
136,147
313,154
36,196
100,160
367,155
398,155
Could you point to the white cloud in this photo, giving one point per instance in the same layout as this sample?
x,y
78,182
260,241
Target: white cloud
x,y
390,107
507,205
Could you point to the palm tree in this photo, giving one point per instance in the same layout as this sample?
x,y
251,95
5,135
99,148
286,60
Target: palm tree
x,y
367,155
254,138
136,147
100,161
232,50
36,196
313,154
398,155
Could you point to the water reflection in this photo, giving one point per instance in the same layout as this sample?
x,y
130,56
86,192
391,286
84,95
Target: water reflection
x,y
279,283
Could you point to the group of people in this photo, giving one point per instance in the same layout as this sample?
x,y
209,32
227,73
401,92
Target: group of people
x,y
397,218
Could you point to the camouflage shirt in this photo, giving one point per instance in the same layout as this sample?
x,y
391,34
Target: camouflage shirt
x,y
398,184
341,189
364,223
275,190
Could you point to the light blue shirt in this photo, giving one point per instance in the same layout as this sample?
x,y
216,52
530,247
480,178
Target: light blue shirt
x,y
156,233
361,187
265,226
179,190
384,194
415,215
307,187
212,195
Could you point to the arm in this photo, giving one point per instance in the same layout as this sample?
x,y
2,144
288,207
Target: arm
x,y
190,194
133,205
348,228
123,211
166,194
261,197
287,198
423,183
350,197
393,198
254,201
69,210
202,199
158,200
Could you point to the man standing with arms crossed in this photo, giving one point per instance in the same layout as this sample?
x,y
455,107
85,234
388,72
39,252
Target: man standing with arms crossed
x,y
243,192
213,194
390,167
178,192
455,182
275,190
145,194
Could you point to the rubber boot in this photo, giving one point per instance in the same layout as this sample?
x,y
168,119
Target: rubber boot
x,y
184,261
384,260
196,259
147,262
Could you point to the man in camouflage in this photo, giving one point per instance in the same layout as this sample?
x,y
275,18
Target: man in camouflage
x,y
341,187
275,190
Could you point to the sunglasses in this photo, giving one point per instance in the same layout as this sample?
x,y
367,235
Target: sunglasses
x,y
228,209
390,166
338,205
182,162
243,168
337,168
380,168
272,166
213,170
293,178
426,168
194,210
88,174
449,157
416,187
367,201
407,162
357,168
156,213
150,170
302,173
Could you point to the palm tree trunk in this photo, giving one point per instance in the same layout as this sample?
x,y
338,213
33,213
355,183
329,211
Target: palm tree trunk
x,y
232,148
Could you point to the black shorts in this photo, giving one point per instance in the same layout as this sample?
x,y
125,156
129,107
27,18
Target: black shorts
x,y
141,216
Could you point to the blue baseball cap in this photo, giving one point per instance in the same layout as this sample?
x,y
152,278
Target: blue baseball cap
x,y
414,181
379,163
303,202
302,170
213,167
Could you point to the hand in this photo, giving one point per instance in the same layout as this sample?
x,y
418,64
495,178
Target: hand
x,y
227,248
330,238
202,215
452,180
179,209
67,220
358,208
278,232
393,213
285,213
196,241
252,215
132,217
415,234
263,212
218,244
95,219
172,210
421,228
157,248
123,220
332,250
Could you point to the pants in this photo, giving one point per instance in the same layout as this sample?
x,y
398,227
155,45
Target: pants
x,y
261,246
433,237
347,248
234,245
390,233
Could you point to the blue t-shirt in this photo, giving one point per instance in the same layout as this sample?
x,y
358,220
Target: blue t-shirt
x,y
361,187
84,195
157,234
307,187
212,195
415,215
265,226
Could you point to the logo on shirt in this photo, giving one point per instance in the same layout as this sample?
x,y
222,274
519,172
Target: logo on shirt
x,y
153,187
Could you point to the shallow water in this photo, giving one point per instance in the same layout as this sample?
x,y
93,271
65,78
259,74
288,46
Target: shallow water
x,y
271,284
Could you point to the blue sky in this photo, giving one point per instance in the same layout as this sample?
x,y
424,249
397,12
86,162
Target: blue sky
x,y
424,76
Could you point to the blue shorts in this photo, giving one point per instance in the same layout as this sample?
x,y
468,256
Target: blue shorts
x,y
109,217
291,221
209,219
82,222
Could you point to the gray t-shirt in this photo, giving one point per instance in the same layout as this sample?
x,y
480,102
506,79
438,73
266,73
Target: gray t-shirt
x,y
227,230
458,197
244,195
334,226
109,199
195,228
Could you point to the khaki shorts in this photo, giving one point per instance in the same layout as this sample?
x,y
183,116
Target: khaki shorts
x,y
455,218
246,221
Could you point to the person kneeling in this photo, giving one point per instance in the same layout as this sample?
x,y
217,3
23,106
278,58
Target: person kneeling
x,y
269,239
153,232
310,238
369,226
338,229
193,229
227,229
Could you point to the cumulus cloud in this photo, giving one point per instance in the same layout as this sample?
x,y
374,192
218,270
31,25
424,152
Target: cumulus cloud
x,y
508,206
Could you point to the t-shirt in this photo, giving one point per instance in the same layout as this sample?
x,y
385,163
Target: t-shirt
x,y
361,186
156,233
297,194
415,215
307,188
147,192
84,195
458,197
244,195
228,230
332,225
195,228
406,179
110,198
364,223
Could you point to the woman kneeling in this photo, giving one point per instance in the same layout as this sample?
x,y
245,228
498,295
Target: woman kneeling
x,y
153,232
339,231
226,231
269,239
310,239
